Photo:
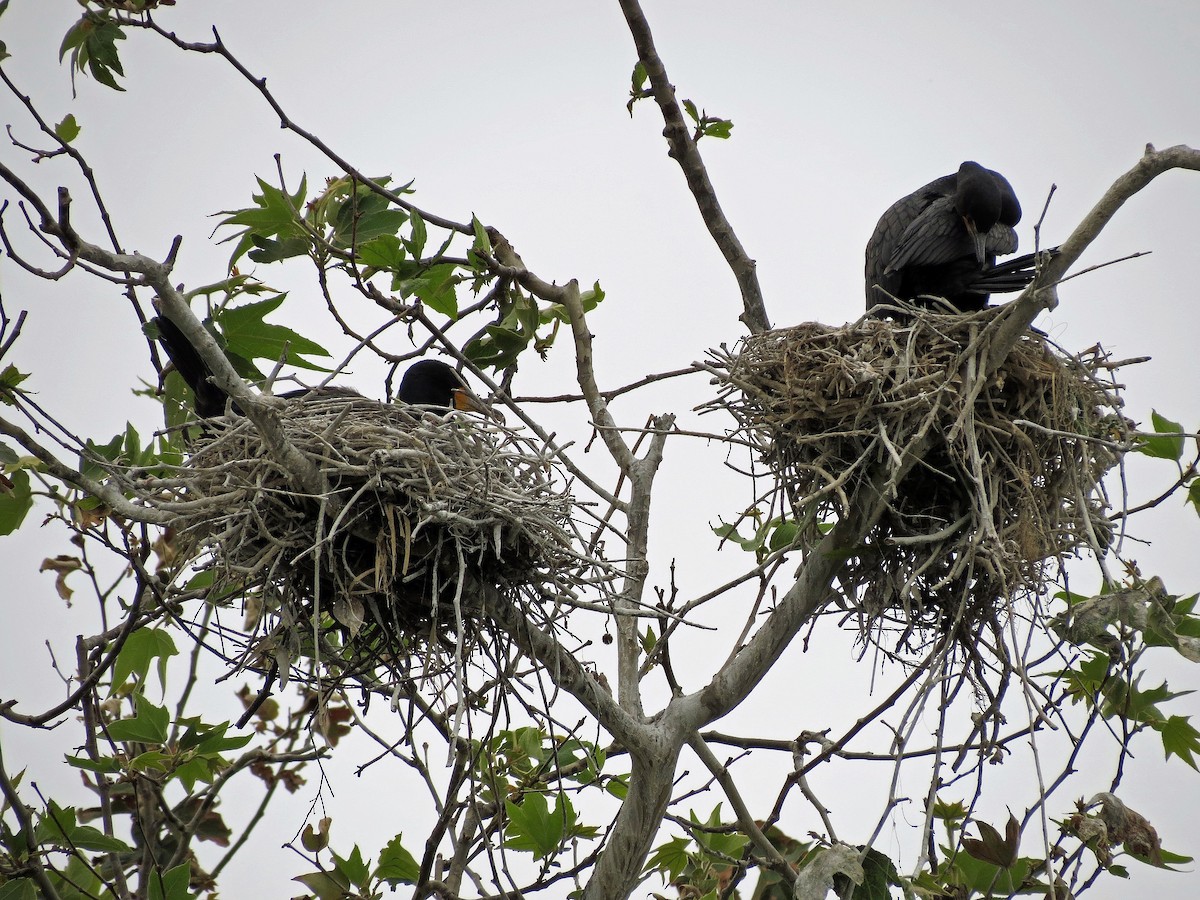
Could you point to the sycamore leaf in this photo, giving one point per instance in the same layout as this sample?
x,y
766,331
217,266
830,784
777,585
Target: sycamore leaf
x,y
18,888
68,129
1180,738
170,885
249,337
92,43
140,649
148,726
397,865
991,847
533,827
353,867
324,885
275,214
16,499
670,858
1166,442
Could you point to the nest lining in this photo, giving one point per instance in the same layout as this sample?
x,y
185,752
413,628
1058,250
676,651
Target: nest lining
x,y
1011,480
384,568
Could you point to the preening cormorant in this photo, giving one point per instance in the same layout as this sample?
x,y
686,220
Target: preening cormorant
x,y
943,239
428,382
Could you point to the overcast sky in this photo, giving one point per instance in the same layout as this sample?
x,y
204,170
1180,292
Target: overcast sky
x,y
516,113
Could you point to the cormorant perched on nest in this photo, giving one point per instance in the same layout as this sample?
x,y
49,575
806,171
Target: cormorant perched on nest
x,y
943,239
428,382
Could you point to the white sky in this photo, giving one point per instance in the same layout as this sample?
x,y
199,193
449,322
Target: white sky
x,y
515,112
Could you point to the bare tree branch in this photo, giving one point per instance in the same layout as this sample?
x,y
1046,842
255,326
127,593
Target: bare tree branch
x,y
682,148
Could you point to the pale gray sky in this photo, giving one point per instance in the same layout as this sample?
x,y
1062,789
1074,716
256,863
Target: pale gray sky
x,y
516,113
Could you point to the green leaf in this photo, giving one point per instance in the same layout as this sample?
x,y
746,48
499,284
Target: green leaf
x,y
16,499
533,827
384,252
170,885
639,76
718,128
1128,700
68,129
10,380
714,841
397,865
783,535
325,885
267,250
364,216
988,879
670,858
498,347
248,336
879,875
690,108
353,867
92,42
217,743
59,826
482,243
1193,494
152,761
140,649
78,881
949,812
1180,738
435,288
275,214
85,837
1168,444
618,786
149,726
637,86
106,764
415,244
18,889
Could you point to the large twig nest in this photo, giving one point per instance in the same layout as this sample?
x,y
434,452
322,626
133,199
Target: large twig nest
x,y
379,570
1010,480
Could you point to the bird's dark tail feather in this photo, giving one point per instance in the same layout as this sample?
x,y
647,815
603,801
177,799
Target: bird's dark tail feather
x,y
210,399
1011,275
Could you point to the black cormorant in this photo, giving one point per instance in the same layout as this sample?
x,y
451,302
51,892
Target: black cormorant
x,y
428,382
943,239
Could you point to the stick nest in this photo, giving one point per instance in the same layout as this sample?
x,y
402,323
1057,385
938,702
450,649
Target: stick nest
x,y
1009,483
384,568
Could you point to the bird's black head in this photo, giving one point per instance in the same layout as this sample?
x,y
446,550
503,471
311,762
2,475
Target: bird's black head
x,y
977,198
430,382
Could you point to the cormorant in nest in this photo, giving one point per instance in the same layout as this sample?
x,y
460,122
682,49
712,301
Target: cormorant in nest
x,y
428,382
943,239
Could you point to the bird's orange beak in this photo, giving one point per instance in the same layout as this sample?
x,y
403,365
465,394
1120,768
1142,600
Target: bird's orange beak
x,y
467,402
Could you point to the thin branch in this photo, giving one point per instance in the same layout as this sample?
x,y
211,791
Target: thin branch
x,y
775,859
682,148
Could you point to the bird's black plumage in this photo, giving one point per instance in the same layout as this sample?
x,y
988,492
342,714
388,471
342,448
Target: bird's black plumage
x,y
942,240
427,382
210,399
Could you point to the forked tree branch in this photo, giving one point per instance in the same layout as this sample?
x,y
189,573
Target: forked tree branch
x,y
1042,293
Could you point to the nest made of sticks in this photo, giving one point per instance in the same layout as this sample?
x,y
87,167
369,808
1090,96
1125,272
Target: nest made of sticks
x,y
384,568
1009,482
